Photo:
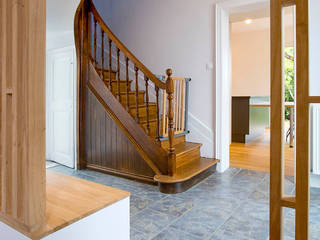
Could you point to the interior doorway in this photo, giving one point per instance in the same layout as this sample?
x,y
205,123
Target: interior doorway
x,y
61,93
250,90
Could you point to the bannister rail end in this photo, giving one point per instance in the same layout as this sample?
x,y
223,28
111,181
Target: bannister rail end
x,y
171,154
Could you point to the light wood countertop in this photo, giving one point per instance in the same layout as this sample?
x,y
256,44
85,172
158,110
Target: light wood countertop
x,y
70,199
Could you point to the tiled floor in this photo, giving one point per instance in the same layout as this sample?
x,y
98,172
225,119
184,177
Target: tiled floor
x,y
228,206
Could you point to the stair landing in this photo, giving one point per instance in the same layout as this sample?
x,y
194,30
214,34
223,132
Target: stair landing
x,y
187,175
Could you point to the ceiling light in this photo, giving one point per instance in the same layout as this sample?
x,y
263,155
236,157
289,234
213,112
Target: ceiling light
x,y
248,21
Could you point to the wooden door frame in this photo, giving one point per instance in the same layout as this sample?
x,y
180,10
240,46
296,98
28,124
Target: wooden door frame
x,y
278,200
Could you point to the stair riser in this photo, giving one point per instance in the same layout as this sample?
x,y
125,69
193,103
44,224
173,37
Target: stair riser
x,y
107,76
153,128
143,112
132,99
114,84
187,157
177,140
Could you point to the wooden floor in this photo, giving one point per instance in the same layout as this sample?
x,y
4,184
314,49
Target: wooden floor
x,y
255,155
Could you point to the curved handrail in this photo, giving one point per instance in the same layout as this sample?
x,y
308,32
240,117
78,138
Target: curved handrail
x,y
83,39
125,50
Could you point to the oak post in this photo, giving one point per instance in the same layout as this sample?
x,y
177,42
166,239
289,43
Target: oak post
x,y
110,64
118,73
171,154
158,114
147,104
95,42
136,69
102,54
127,83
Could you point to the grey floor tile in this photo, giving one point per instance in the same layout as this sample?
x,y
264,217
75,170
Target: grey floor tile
x,y
225,206
246,227
152,194
62,169
251,174
253,209
151,222
226,235
137,204
202,222
172,206
174,234
136,235
315,195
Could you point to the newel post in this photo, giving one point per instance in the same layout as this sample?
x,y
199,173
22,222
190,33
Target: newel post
x,y
171,154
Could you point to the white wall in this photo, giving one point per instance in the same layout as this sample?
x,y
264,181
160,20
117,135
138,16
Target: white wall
x,y
60,16
60,21
177,34
251,63
314,53
314,40
104,7
251,57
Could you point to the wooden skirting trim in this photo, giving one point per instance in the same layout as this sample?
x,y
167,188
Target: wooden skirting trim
x,y
289,202
120,173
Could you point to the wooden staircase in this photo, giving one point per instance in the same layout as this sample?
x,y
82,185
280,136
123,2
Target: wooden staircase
x,y
121,125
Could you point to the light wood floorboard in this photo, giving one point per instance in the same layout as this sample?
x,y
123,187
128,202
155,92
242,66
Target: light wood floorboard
x,y
255,155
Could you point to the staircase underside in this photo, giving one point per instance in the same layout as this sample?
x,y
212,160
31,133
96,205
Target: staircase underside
x,y
111,151
123,115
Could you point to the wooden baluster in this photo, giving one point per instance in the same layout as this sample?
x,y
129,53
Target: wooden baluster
x,y
118,73
136,69
127,79
110,64
158,114
147,104
102,55
171,154
95,42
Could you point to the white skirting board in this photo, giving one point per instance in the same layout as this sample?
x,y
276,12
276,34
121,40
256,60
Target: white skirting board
x,y
315,138
112,223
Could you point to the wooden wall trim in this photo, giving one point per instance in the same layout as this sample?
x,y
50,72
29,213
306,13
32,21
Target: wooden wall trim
x,y
302,121
301,201
277,118
22,152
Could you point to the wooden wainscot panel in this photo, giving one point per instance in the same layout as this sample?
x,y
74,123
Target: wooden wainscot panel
x,y
108,148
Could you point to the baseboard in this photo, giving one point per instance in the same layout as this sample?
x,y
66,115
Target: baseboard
x,y
201,133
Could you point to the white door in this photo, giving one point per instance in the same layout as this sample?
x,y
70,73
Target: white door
x,y
60,106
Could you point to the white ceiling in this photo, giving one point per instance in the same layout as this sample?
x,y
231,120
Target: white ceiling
x,y
260,20
60,14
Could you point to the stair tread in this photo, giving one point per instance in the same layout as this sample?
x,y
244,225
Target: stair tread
x,y
114,80
143,120
142,105
186,147
132,92
106,70
188,171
